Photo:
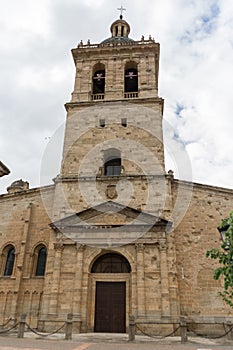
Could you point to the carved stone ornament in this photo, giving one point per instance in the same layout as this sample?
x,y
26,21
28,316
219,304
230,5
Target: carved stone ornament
x,y
162,244
139,247
111,192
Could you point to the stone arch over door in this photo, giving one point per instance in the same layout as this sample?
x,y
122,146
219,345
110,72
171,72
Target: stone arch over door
x,y
110,285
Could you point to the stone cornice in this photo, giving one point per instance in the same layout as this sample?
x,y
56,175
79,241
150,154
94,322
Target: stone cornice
x,y
204,187
31,191
138,100
103,49
75,178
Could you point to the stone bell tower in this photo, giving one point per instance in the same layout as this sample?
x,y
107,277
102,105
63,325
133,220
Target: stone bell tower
x,y
112,196
118,68
113,147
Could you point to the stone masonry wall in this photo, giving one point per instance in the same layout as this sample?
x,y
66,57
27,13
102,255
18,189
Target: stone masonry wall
x,y
197,233
24,225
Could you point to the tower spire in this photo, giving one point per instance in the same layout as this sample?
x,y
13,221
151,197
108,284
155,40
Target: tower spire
x,y
121,9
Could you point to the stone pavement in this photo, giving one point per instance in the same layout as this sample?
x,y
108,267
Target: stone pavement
x,y
109,341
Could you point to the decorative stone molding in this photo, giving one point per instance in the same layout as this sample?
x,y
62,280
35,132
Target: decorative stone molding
x,y
80,247
59,246
139,247
18,186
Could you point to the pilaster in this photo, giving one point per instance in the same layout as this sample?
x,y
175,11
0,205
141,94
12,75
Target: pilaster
x,y
140,280
165,302
54,296
78,282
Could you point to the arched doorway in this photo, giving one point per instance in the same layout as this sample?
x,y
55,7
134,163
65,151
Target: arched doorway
x,y
110,293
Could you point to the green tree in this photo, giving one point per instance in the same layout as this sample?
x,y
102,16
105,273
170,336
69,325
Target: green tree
x,y
225,259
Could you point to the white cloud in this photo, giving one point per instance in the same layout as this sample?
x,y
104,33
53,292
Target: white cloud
x,y
198,77
26,16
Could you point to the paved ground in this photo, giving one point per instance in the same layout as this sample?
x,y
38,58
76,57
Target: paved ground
x,y
95,341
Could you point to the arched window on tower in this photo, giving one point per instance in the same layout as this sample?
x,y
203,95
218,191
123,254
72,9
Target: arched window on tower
x,y
131,80
116,31
9,251
112,162
98,82
40,255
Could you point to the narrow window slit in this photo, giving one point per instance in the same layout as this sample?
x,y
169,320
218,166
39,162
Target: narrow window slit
x,y
124,122
102,123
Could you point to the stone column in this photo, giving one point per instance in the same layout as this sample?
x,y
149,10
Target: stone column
x,y
140,280
77,293
56,278
165,303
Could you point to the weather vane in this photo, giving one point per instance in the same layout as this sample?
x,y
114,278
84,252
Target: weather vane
x,y
121,9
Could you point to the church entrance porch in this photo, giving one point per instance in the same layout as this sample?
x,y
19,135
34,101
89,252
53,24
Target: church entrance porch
x,y
109,293
110,307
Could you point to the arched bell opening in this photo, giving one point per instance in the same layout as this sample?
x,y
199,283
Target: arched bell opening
x,y
98,79
131,78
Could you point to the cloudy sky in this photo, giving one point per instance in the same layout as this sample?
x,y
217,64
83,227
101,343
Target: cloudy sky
x,y
196,77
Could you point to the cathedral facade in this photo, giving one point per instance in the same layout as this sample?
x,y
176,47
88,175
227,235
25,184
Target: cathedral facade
x,y
115,235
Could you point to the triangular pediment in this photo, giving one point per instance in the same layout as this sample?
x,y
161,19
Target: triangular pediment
x,y
109,214
109,224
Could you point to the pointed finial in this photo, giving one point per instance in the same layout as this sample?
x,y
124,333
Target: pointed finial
x,y
121,9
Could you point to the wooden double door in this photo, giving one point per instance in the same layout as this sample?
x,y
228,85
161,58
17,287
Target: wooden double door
x,y
110,307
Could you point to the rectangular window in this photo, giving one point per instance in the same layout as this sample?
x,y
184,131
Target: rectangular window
x,y
102,123
124,122
113,170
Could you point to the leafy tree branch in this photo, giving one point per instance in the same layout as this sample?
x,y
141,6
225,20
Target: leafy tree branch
x,y
224,255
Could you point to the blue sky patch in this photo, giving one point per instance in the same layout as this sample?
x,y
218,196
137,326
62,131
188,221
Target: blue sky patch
x,y
205,24
179,109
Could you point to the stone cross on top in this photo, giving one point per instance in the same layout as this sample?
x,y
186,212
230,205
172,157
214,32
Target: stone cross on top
x,y
121,9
